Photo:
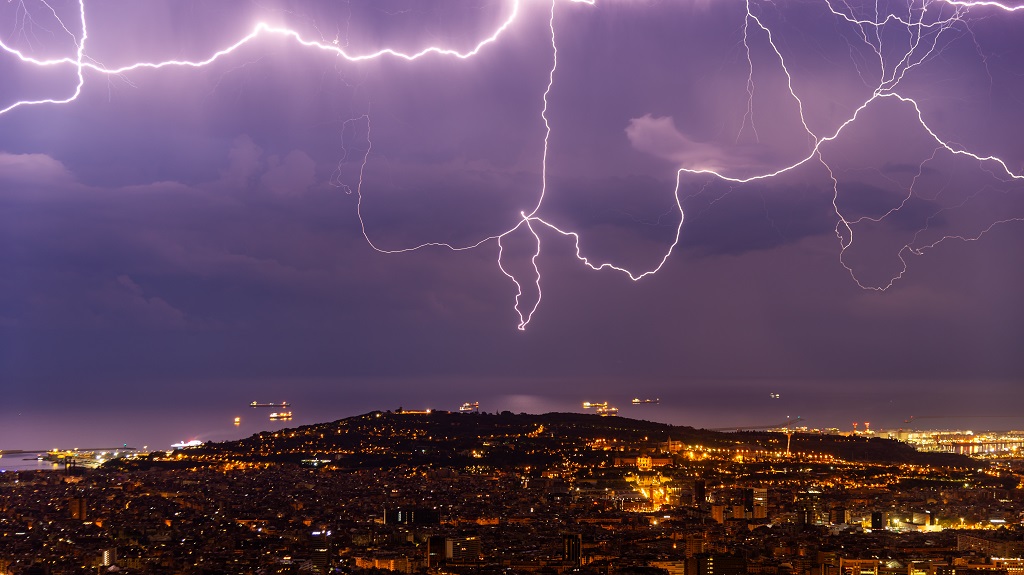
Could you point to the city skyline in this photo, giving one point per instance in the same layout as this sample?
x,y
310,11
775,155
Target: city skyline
x,y
412,492
195,237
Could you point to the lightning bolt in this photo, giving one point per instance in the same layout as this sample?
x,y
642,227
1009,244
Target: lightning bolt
x,y
924,25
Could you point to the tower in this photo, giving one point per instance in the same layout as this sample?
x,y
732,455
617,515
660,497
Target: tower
x,y
320,550
78,508
572,548
700,494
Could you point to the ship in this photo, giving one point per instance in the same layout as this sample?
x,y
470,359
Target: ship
x,y
470,407
281,416
258,404
185,444
638,401
602,408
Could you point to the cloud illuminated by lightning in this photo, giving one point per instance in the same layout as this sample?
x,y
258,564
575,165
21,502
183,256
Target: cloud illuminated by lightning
x,y
924,24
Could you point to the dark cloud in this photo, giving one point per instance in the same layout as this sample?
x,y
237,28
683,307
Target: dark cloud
x,y
197,230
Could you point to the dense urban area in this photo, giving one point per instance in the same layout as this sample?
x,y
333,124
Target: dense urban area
x,y
440,492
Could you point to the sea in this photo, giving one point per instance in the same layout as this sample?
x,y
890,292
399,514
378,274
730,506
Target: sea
x,y
20,462
153,420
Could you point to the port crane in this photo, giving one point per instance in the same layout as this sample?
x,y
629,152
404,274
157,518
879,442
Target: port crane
x,y
784,427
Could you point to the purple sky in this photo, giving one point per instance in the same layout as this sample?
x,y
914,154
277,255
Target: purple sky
x,y
192,237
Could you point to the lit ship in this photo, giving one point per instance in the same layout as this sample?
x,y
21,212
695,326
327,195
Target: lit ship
x,y
638,401
281,416
470,407
602,408
258,404
184,444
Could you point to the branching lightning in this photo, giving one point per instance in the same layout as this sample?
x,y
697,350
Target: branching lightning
x,y
923,23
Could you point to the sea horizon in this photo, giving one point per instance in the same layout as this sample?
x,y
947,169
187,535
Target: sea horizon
x,y
182,418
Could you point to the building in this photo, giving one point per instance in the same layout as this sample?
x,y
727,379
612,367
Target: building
x,y
839,516
572,548
720,564
858,566
700,492
755,503
877,520
413,516
991,547
462,549
320,550
78,508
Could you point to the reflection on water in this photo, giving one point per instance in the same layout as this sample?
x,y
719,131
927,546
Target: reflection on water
x,y
21,463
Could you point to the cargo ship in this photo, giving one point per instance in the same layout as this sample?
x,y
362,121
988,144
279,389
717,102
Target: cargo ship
x,y
281,416
602,408
258,404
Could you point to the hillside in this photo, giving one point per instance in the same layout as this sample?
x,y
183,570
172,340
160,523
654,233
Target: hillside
x,y
507,439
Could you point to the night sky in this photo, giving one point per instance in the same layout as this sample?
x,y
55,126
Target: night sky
x,y
176,242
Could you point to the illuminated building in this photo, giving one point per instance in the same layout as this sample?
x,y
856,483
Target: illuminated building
x,y
992,547
719,564
718,513
462,549
320,551
858,566
415,516
755,503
